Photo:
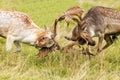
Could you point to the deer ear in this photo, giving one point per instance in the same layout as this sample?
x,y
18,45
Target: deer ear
x,y
46,28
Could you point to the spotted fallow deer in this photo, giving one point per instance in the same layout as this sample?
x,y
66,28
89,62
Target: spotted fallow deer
x,y
101,22
18,27
71,13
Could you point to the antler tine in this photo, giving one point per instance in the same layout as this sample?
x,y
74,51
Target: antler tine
x,y
55,28
61,18
76,20
79,23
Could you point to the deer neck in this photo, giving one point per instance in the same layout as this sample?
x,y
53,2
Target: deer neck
x,y
90,31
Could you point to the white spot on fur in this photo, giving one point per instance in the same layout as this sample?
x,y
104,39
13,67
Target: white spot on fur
x,y
92,32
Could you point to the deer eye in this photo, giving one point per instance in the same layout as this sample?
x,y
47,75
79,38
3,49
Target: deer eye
x,y
44,38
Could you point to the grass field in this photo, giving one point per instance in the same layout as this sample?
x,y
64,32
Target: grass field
x,y
56,66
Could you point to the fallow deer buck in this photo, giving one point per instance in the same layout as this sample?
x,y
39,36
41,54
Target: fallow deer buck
x,y
71,13
102,22
18,27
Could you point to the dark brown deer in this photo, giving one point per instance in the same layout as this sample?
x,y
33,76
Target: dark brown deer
x,y
70,14
101,22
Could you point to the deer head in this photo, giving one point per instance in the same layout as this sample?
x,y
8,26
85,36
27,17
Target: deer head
x,y
45,39
84,35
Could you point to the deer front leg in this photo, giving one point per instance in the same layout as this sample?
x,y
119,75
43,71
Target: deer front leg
x,y
9,42
99,51
101,37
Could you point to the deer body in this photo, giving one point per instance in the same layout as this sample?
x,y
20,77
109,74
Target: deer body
x,y
101,19
102,22
18,27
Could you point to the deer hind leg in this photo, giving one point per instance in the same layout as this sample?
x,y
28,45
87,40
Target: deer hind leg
x,y
17,44
108,40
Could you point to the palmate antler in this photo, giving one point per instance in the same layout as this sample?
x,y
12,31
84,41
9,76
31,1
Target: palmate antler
x,y
70,13
55,34
55,28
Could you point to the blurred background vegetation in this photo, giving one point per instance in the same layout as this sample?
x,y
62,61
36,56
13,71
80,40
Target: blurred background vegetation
x,y
56,66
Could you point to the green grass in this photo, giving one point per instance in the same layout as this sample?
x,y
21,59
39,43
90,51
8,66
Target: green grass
x,y
56,66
